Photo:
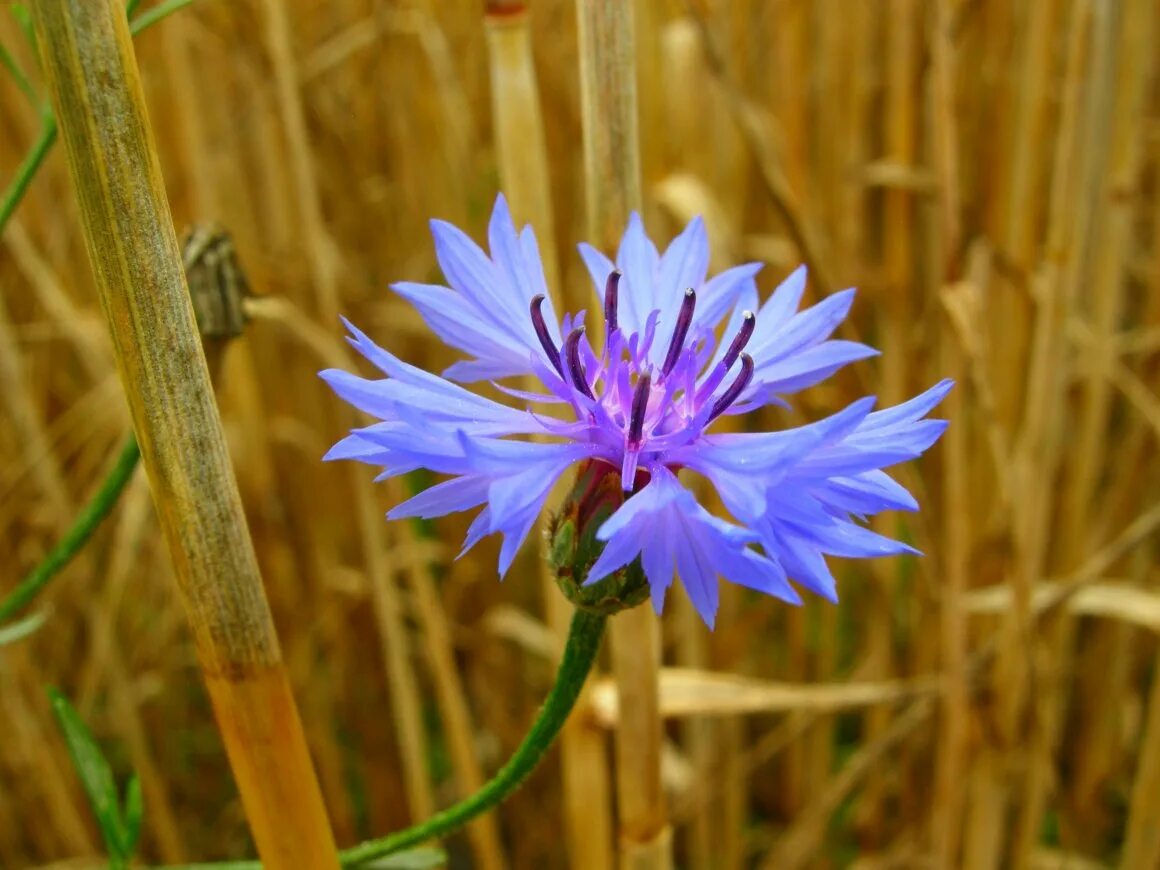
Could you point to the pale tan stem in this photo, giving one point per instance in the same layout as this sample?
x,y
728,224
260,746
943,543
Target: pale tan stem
x,y
1103,679
525,177
92,76
1142,846
323,258
609,111
612,182
394,644
521,149
1044,440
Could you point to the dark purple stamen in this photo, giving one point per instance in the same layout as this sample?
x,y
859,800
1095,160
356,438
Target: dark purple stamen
x,y
748,321
735,389
639,406
684,320
611,298
542,334
722,368
575,367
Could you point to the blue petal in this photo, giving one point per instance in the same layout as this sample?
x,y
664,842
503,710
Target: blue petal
x,y
365,395
797,371
868,451
458,323
412,389
911,410
470,273
762,574
683,265
843,538
772,340
803,563
638,260
355,447
522,474
476,531
697,574
450,496
439,402
485,313
744,467
865,494
440,452
659,564
784,301
668,529
599,267
517,257
733,289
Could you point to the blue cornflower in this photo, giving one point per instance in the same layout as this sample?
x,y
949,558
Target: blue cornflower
x,y
639,404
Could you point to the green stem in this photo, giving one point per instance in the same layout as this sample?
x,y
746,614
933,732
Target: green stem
x,y
47,137
28,168
579,654
82,529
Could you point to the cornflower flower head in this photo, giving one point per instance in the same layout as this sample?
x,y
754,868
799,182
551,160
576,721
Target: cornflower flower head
x,y
632,408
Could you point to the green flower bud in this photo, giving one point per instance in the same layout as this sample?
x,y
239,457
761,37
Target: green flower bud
x,y
573,546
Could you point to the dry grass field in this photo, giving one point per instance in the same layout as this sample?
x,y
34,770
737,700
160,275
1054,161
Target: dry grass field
x,y
985,172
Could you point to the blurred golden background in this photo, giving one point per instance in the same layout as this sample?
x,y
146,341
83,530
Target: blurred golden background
x,y
985,171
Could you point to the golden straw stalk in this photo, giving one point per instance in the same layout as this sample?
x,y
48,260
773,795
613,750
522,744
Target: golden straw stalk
x,y
612,183
96,90
522,155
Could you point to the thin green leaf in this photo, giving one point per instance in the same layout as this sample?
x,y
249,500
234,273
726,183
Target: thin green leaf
x,y
134,811
94,771
131,7
20,629
18,76
24,20
152,16
111,488
422,858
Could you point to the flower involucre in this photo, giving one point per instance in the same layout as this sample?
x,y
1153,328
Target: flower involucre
x,y
639,401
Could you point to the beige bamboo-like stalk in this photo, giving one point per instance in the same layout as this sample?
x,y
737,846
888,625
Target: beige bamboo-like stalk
x,y
1142,843
643,831
525,177
322,258
1019,200
455,714
323,264
608,109
988,801
953,749
521,150
650,72
612,185
1142,837
812,245
697,739
1102,680
92,76
1045,437
1034,461
898,218
687,90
